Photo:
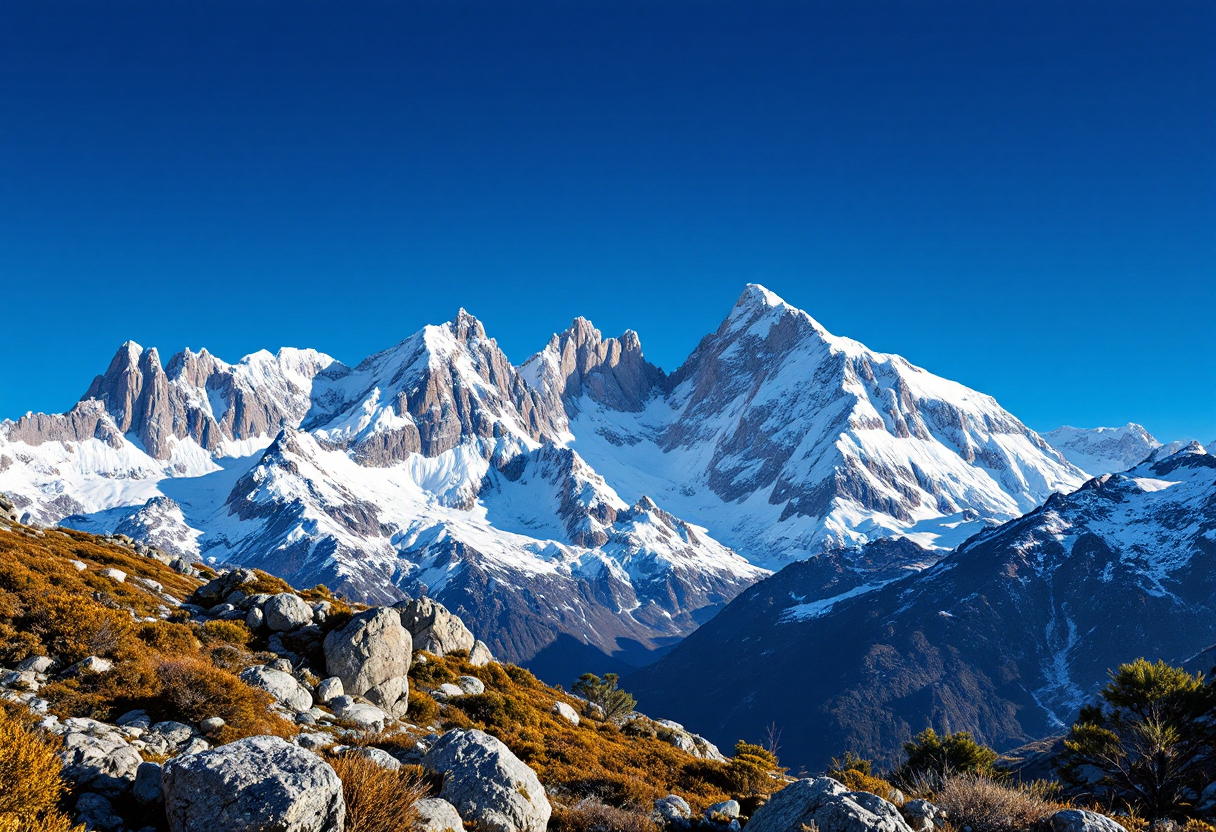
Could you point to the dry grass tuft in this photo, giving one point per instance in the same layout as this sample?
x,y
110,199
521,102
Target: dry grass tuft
x,y
984,805
590,815
377,799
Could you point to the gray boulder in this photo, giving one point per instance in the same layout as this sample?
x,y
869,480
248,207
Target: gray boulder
x,y
480,655
437,815
365,717
282,686
920,814
286,612
329,688
723,812
434,629
487,783
259,784
825,804
471,684
371,655
673,809
566,712
96,812
98,758
1079,820
147,787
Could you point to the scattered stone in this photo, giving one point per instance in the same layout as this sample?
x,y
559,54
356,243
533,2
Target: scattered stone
x,y
212,726
135,719
487,783
825,804
446,691
437,815
282,686
175,732
1079,820
366,717
96,812
723,812
113,574
80,565
673,809
920,814
377,755
566,712
286,611
471,684
371,655
314,742
255,619
38,664
281,665
328,689
259,783
91,664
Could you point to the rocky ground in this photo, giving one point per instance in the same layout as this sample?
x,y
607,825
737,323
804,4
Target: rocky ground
x,y
406,688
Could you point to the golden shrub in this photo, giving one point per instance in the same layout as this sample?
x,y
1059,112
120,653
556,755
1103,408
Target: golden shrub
x,y
226,632
168,638
859,781
29,771
377,799
193,690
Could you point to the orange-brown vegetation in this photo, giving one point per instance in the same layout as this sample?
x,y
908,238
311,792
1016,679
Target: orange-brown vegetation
x,y
173,670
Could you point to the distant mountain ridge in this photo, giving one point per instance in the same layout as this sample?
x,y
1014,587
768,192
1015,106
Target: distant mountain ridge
x,y
1005,637
583,501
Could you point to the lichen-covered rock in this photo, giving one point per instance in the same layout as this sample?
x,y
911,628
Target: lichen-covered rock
x,y
487,783
825,804
259,784
433,628
282,686
1079,820
480,655
566,712
471,684
437,815
371,655
286,611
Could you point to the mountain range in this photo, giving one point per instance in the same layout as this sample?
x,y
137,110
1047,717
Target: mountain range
x,y
1006,637
583,506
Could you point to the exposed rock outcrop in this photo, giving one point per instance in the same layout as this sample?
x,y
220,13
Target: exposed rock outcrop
x,y
259,783
825,804
488,784
371,655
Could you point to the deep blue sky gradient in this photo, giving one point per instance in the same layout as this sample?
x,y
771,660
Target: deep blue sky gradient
x,y
1020,196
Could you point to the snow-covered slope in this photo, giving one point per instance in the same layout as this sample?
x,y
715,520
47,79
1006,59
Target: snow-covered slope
x,y
581,496
1099,451
785,440
1006,637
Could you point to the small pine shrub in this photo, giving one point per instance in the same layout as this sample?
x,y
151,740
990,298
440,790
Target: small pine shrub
x,y
30,772
929,755
377,799
754,770
615,703
433,673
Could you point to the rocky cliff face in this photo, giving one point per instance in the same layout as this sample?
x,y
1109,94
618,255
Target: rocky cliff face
x,y
1005,637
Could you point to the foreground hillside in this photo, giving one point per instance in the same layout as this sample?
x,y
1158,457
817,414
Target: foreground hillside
x,y
147,697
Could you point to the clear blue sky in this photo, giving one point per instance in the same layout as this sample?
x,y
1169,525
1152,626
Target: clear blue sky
x,y
1020,196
